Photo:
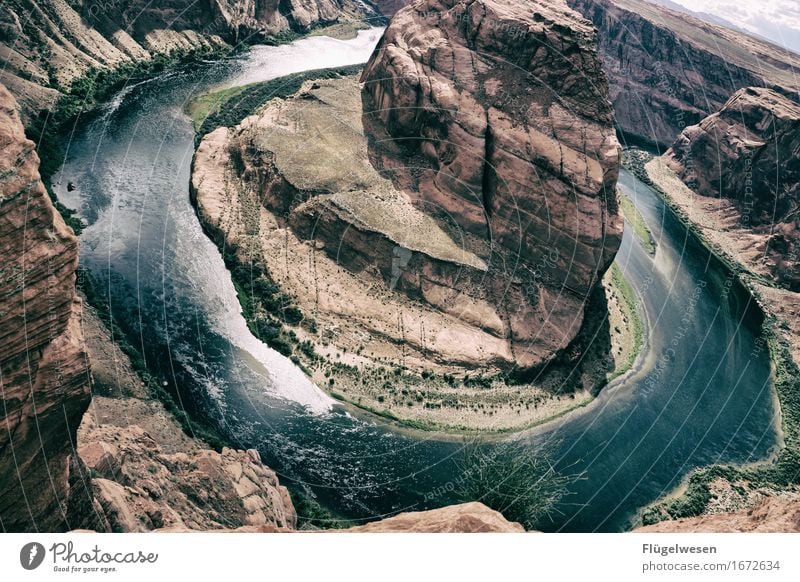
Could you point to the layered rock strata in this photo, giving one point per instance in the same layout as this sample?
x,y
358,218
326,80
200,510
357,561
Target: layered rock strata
x,y
45,45
141,487
44,371
668,70
494,117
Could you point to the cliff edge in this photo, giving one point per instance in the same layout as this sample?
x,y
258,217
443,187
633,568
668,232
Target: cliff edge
x,y
44,369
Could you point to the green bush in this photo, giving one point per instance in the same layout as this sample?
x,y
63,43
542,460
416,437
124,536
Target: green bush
x,y
512,477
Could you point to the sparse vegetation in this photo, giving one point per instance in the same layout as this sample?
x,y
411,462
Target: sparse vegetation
x,y
193,427
784,470
629,303
84,95
638,224
313,516
512,477
228,107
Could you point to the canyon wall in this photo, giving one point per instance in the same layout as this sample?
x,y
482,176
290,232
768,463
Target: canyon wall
x,y
494,117
142,478
668,70
749,153
44,370
45,45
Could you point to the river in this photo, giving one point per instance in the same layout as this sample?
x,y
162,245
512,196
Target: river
x,y
702,394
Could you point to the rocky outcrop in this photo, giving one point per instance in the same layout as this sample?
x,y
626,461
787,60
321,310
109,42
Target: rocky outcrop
x,y
147,473
140,487
770,515
749,153
494,117
44,374
292,189
464,518
471,517
45,45
668,70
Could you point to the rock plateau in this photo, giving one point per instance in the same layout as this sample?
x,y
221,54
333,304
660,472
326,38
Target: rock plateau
x,y
497,240
493,116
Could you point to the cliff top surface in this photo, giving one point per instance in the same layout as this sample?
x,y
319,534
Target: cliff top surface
x,y
762,98
319,146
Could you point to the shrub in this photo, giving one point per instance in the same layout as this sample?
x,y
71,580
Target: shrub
x,y
515,478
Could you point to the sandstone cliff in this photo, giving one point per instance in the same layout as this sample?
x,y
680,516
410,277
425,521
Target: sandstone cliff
x,y
44,373
390,7
479,259
45,45
746,158
129,467
668,70
147,475
140,487
494,116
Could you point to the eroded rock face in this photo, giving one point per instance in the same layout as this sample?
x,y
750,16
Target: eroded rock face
x,y
140,487
45,45
668,70
44,373
494,117
749,152
390,7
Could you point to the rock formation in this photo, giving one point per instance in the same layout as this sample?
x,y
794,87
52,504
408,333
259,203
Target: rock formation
x,y
493,115
140,487
147,473
44,373
770,515
668,70
464,518
749,153
390,7
141,481
45,45
474,249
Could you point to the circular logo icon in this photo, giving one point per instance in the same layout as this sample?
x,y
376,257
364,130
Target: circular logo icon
x,y
31,555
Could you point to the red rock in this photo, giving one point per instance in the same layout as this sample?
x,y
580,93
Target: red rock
x,y
668,70
44,371
749,152
494,115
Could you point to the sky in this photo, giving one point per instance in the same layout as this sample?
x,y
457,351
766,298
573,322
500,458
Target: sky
x,y
776,20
